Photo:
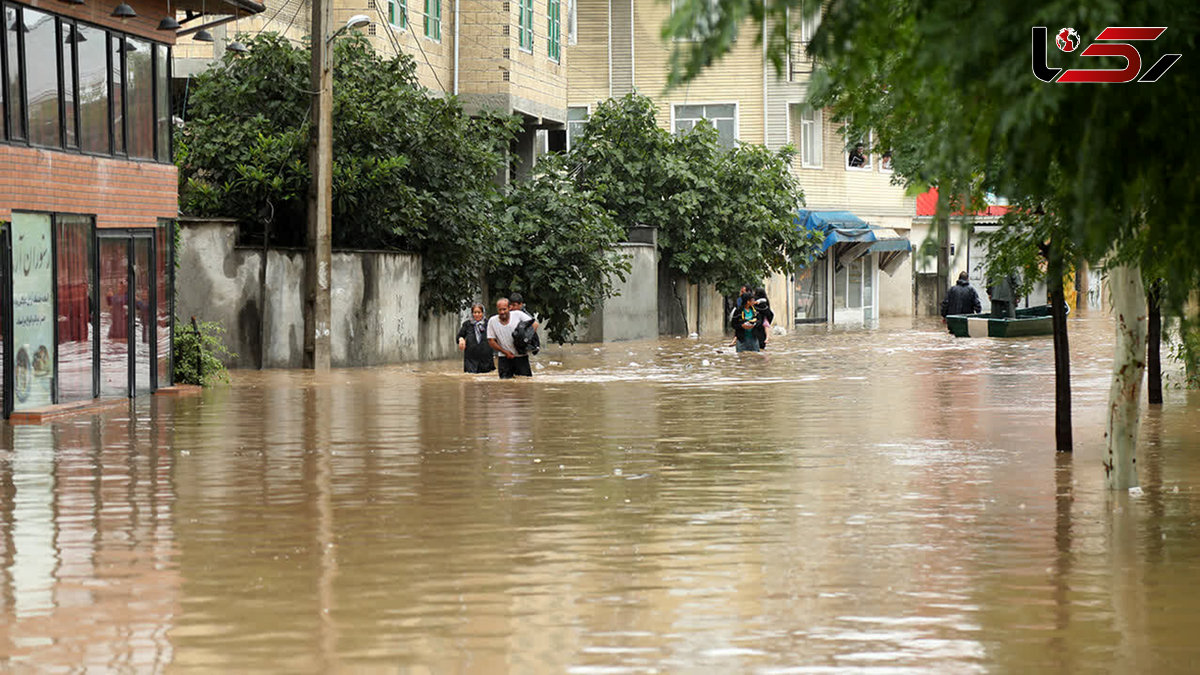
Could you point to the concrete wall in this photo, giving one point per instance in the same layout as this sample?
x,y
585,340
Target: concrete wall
x,y
633,313
375,301
685,308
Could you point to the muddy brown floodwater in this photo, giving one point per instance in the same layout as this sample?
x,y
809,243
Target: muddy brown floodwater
x,y
885,500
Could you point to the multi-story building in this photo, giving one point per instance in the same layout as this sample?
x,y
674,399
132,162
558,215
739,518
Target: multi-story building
x,y
509,56
88,195
620,49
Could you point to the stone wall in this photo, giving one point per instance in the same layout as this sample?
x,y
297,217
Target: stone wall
x,y
375,301
632,314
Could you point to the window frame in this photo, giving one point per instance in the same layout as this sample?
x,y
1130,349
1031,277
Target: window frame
x,y
525,26
572,22
737,112
554,30
588,113
73,26
433,20
398,9
867,142
818,133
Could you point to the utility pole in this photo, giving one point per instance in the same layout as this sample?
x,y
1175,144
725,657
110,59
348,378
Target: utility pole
x,y
318,257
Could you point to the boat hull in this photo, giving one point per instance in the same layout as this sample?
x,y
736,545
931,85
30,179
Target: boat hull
x,y
1029,321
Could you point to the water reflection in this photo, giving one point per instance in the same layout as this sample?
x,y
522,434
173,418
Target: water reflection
x,y
850,500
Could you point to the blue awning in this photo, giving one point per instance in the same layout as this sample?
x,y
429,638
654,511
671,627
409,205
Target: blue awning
x,y
843,227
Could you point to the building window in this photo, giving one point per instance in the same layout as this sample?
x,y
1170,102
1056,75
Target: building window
x,y
723,116
94,133
41,78
809,22
572,22
704,20
525,25
576,121
68,85
553,27
398,13
74,298
13,72
810,138
858,153
139,98
162,103
433,19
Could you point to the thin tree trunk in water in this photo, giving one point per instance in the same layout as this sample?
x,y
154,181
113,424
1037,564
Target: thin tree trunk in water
x,y
1154,346
1129,362
1062,354
942,216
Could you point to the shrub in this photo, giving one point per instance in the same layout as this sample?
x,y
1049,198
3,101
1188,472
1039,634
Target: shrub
x,y
199,356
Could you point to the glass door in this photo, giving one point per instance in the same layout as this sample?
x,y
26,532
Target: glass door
x,y
115,318
143,319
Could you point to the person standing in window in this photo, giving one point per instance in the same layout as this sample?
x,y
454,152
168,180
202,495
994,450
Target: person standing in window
x,y
858,157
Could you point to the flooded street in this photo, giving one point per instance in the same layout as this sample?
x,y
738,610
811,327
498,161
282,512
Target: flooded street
x,y
885,500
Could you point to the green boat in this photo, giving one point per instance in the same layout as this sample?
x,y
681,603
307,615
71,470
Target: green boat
x,y
1029,321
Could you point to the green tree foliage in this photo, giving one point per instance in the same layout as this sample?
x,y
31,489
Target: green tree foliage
x,y
950,84
410,171
724,216
556,247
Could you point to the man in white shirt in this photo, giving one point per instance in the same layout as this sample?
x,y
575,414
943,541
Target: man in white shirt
x,y
500,336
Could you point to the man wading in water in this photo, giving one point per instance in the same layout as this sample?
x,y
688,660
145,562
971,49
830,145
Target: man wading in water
x,y
500,336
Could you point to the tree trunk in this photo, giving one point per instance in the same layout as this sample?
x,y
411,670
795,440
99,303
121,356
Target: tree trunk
x,y
1062,353
942,230
1129,362
1154,346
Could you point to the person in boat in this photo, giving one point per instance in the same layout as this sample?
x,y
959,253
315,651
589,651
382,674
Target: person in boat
x,y
747,323
961,298
1003,294
473,343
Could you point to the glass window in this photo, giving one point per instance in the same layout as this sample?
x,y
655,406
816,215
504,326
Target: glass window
x,y
839,287
855,284
69,38
810,20
398,13
576,121
32,311
12,85
139,95
810,138
74,300
723,116
164,238
41,78
143,318
858,152
811,293
114,317
433,19
869,268
117,54
572,22
93,90
162,103
704,21
525,24
553,26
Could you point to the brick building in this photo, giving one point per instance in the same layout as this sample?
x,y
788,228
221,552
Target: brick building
x,y
88,197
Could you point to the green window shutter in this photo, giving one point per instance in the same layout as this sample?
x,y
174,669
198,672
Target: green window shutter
x,y
403,22
392,12
552,26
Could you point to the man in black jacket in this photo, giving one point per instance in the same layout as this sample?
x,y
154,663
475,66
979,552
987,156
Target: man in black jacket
x,y
961,298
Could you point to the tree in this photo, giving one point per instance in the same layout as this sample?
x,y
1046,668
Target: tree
x,y
411,171
556,246
725,216
1032,239
976,102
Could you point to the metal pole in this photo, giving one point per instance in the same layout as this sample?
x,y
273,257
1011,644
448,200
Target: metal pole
x,y
318,260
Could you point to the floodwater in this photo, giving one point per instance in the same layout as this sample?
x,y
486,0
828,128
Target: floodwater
x,y
865,501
